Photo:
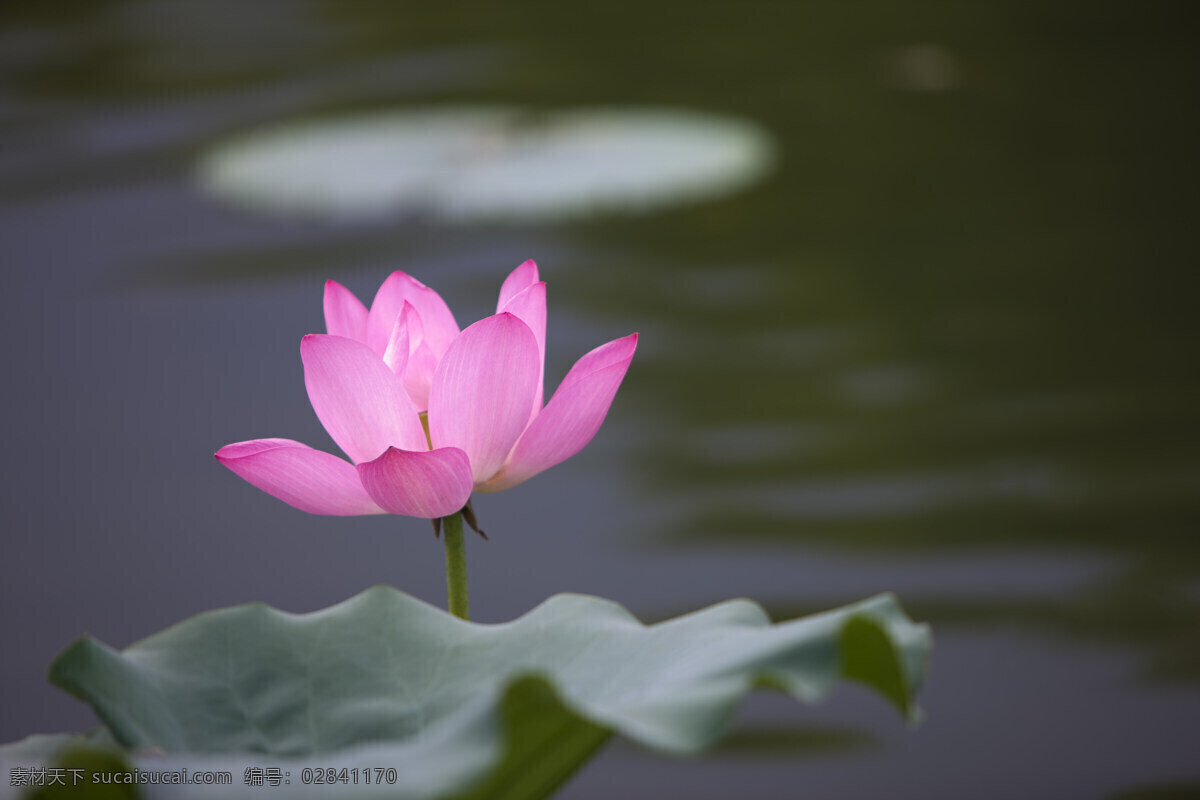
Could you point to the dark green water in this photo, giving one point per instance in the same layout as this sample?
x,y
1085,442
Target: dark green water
x,y
948,347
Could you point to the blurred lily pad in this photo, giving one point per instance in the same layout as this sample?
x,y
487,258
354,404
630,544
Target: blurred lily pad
x,y
430,706
488,163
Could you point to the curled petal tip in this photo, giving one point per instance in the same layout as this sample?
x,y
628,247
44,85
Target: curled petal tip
x,y
232,452
525,275
401,275
623,348
510,317
308,341
409,278
345,315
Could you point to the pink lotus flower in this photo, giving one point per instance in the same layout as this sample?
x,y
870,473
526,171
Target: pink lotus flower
x,y
427,413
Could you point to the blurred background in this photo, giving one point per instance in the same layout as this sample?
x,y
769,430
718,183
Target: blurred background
x,y
923,322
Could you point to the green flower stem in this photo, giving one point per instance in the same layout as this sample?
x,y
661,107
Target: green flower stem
x,y
456,565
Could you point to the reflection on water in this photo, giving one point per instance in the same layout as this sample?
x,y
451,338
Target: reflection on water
x,y
951,341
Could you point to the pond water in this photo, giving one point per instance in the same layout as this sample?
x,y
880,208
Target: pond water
x,y
947,347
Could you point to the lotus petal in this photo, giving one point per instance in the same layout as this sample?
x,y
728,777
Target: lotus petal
x,y
573,415
439,327
427,484
482,391
530,307
300,476
521,278
345,315
358,399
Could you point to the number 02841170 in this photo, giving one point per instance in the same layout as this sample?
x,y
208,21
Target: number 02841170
x,y
364,775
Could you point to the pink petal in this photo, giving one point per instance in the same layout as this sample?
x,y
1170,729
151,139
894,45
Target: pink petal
x,y
410,357
517,281
439,328
573,415
308,479
345,315
428,484
437,321
358,399
396,354
419,376
386,308
530,307
482,391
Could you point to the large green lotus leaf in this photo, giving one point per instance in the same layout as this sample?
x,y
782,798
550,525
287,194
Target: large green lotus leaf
x,y
460,709
493,163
